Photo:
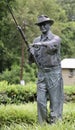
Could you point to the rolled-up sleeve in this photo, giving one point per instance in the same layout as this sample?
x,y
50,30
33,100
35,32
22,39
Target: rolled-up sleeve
x,y
53,45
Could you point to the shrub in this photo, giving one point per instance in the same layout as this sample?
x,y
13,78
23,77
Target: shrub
x,y
24,117
17,93
13,76
18,114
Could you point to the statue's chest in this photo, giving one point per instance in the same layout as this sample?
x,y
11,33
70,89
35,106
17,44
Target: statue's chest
x,y
40,51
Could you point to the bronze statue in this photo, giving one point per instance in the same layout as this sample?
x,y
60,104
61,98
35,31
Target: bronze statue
x,y
46,53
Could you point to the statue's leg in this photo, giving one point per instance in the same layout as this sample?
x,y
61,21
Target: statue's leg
x,y
41,99
55,90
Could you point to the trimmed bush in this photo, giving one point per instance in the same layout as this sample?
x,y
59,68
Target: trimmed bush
x,y
17,93
18,114
22,94
21,116
69,93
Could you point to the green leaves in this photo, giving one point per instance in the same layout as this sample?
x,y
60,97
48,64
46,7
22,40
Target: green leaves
x,y
18,114
17,93
24,117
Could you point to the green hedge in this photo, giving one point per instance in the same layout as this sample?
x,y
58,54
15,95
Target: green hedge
x,y
17,93
69,93
27,114
22,94
18,114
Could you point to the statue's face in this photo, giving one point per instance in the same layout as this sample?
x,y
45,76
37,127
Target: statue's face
x,y
44,27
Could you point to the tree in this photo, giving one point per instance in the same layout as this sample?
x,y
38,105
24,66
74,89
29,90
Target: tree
x,y
69,7
7,57
68,39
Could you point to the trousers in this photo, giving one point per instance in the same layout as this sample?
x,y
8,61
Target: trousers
x,y
50,83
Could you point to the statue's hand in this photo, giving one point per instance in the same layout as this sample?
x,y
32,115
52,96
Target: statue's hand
x,y
32,50
37,44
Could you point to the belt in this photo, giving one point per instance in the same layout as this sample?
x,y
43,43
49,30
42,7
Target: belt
x,y
49,69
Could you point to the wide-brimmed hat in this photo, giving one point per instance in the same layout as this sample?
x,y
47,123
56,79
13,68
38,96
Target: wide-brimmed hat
x,y
44,18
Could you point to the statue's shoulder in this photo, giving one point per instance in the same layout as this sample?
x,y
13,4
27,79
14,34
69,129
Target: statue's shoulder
x,y
57,38
52,36
37,39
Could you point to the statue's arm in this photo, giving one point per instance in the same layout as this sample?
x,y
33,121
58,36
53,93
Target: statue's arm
x,y
53,44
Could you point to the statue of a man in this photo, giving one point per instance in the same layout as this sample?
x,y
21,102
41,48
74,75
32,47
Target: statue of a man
x,y
46,53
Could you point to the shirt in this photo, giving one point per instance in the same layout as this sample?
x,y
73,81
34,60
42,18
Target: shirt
x,y
47,55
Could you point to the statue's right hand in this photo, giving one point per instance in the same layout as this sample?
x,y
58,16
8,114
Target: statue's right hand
x,y
31,50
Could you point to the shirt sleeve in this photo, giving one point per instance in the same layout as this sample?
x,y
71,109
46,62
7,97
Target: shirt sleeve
x,y
54,44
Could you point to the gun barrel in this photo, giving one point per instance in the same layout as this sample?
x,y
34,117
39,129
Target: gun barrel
x,y
19,28
23,36
12,15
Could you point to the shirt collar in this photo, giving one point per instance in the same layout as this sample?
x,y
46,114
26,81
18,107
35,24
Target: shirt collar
x,y
49,36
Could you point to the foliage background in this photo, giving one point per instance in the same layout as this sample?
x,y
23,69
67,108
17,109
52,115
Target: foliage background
x,y
12,47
